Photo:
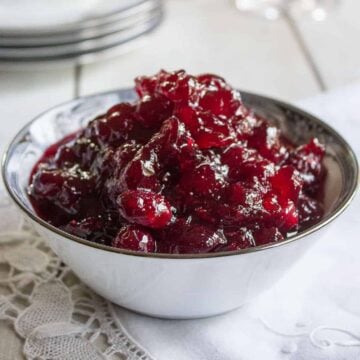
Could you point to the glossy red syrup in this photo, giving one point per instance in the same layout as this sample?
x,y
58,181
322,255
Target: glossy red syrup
x,y
187,168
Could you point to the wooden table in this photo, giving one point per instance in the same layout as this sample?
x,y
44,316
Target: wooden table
x,y
290,58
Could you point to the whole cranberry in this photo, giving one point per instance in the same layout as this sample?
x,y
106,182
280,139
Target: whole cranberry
x,y
133,237
197,239
165,142
104,164
140,172
212,81
174,143
177,86
152,110
310,210
238,193
50,153
289,219
207,129
271,205
116,159
64,188
266,140
234,156
65,156
222,102
90,228
116,126
173,230
219,97
205,211
144,208
246,194
145,85
230,215
238,238
245,124
171,138
245,164
109,164
265,236
307,159
287,183
170,147
206,180
82,151
253,203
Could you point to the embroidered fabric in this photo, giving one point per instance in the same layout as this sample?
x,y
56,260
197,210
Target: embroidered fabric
x,y
56,315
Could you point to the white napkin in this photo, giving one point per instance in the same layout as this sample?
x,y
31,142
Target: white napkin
x,y
313,313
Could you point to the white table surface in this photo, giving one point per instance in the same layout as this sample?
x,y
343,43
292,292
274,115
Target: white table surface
x,y
290,58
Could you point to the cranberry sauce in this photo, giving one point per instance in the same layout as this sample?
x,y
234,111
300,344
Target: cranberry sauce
x,y
188,168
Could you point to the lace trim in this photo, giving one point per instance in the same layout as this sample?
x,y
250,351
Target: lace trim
x,y
51,310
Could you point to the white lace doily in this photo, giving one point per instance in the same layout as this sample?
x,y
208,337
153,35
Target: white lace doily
x,y
56,316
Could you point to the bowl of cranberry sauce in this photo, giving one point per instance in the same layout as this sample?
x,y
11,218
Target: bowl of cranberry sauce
x,y
185,169
182,189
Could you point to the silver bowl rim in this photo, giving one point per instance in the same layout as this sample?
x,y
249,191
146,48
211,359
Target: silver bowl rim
x,y
347,199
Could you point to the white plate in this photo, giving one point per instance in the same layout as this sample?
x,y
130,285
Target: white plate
x,y
71,61
59,51
102,51
22,17
116,25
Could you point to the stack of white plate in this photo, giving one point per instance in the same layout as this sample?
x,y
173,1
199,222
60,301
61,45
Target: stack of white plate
x,y
72,31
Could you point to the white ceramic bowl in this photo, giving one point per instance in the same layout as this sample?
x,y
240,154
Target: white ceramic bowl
x,y
178,286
